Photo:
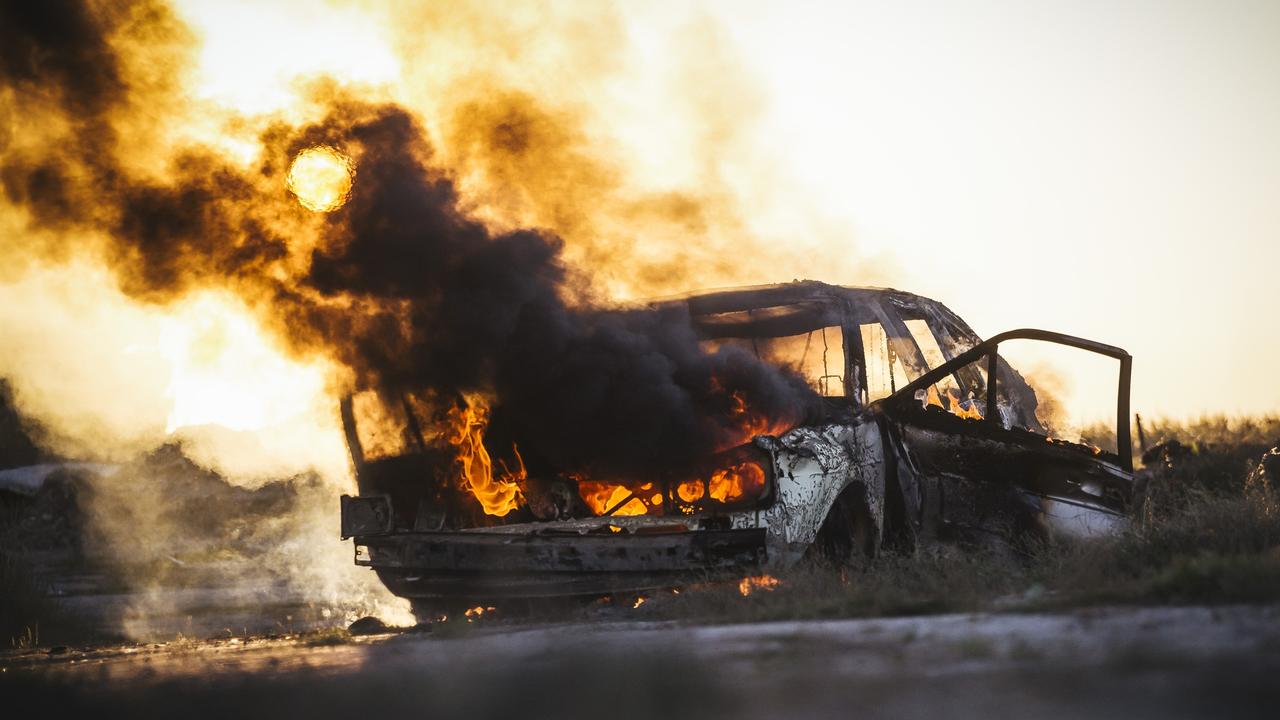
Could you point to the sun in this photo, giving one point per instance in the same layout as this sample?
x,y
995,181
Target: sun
x,y
321,178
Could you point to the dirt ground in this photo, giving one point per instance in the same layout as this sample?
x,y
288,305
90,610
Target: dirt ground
x,y
1113,662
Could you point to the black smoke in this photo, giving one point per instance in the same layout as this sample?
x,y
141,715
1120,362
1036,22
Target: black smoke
x,y
61,48
402,287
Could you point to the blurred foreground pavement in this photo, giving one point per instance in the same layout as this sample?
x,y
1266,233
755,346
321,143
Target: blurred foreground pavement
x,y
1115,662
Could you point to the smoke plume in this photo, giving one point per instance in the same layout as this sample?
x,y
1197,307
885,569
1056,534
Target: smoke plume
x,y
400,286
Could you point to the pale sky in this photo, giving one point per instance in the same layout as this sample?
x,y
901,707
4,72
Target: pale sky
x,y
1106,169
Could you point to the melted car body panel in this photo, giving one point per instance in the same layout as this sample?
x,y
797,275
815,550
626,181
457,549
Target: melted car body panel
x,y
813,467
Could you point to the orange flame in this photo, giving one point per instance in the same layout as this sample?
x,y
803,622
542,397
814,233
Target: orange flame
x,y
966,408
725,485
689,491
477,612
958,405
932,398
758,582
602,497
467,423
737,481
751,423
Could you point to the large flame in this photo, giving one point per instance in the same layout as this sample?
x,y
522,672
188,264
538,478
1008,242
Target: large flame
x,y
467,423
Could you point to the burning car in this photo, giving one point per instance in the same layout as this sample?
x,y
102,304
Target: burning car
x,y
924,433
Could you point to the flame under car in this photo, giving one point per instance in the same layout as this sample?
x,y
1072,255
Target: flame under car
x,y
925,433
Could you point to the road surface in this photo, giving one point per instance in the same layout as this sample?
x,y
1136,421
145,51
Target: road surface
x,y
1106,663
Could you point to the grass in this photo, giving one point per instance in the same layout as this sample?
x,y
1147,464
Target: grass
x,y
939,579
1218,430
1209,534
326,637
29,615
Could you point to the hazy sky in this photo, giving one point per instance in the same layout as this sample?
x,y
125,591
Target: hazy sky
x,y
1104,169
1107,169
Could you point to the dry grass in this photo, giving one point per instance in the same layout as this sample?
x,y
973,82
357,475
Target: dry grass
x,y
29,615
941,579
1220,430
326,637
1210,534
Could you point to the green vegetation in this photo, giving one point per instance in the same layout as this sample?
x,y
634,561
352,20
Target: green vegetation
x,y
1209,533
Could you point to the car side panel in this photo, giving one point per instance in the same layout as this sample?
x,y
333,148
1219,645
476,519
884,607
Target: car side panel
x,y
813,466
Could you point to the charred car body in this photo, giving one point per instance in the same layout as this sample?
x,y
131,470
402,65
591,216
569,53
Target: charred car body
x,y
926,433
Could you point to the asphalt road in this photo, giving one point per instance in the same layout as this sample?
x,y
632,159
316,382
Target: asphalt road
x,y
1120,662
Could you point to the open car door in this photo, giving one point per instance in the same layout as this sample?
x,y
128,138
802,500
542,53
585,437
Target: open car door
x,y
973,458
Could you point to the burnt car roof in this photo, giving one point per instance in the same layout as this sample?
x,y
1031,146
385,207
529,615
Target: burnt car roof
x,y
803,305
716,300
